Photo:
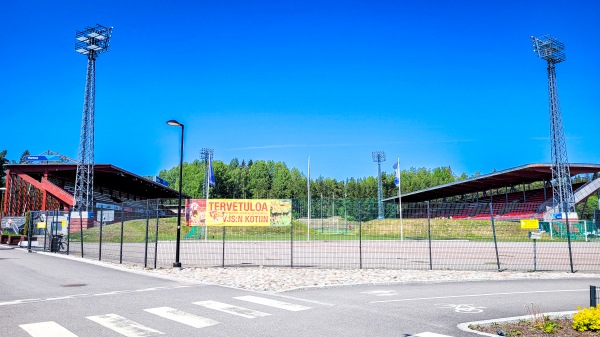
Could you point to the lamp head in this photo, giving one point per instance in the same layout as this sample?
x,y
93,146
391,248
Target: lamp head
x,y
173,122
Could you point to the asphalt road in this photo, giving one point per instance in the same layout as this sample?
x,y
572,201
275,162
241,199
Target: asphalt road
x,y
42,295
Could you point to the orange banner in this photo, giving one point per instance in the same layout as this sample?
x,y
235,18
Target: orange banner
x,y
239,212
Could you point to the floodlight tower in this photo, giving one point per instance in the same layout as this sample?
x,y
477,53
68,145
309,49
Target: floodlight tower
x,y
550,49
379,157
92,41
206,154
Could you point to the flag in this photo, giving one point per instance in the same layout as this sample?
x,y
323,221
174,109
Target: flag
x,y
211,172
396,167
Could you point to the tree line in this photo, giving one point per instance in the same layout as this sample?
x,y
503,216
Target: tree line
x,y
270,179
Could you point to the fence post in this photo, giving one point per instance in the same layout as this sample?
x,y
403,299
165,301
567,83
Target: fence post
x,y
360,234
122,225
146,239
45,233
566,208
100,243
80,232
29,228
223,257
156,236
429,235
291,245
593,298
321,213
68,232
495,240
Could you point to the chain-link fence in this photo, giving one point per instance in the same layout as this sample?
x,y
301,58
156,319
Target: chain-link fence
x,y
339,233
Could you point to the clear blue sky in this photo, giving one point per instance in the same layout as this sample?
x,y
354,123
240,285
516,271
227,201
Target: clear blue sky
x,y
436,83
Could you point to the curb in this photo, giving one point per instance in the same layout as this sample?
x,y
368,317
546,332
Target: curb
x,y
465,326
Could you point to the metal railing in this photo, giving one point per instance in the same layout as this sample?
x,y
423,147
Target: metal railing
x,y
343,234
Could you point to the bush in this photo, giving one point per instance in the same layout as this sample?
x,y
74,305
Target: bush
x,y
587,319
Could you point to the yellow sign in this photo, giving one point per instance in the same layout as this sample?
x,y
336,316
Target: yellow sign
x,y
239,212
530,224
41,224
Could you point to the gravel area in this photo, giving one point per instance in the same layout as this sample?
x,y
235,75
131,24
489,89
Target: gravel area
x,y
272,279
276,279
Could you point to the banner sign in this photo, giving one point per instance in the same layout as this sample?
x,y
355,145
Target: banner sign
x,y
238,212
161,181
530,224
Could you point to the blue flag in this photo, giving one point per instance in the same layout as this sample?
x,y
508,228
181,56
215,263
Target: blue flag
x,y
397,178
211,172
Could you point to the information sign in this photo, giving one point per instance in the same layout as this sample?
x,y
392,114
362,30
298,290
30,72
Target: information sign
x,y
530,224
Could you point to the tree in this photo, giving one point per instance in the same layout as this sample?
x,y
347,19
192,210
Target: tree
x,y
298,184
281,185
3,161
23,158
259,181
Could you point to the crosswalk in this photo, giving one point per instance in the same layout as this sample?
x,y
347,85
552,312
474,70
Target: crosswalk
x,y
129,328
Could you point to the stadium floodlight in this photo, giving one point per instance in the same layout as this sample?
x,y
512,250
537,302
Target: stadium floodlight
x,y
552,50
549,48
95,38
379,157
92,41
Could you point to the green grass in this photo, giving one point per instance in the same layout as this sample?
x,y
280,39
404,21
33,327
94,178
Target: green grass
x,y
386,229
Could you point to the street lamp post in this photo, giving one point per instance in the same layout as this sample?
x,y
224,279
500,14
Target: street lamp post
x,y
177,264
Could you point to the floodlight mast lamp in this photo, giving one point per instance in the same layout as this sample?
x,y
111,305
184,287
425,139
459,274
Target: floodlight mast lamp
x,y
177,263
92,41
379,157
552,50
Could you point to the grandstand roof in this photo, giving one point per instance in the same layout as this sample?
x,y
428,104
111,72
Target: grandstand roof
x,y
114,183
514,176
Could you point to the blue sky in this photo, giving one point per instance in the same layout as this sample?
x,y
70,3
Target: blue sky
x,y
436,83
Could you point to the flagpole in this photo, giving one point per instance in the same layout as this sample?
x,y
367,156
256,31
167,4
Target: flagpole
x,y
400,201
209,181
308,187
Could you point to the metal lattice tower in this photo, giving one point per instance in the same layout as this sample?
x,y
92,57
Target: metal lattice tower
x,y
552,50
205,155
92,41
379,157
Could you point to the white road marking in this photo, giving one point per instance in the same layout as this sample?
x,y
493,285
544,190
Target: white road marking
x,y
182,317
462,308
272,303
117,292
46,329
429,334
124,326
232,309
482,295
380,292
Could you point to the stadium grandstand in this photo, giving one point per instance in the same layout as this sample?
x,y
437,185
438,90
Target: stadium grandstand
x,y
516,193
47,182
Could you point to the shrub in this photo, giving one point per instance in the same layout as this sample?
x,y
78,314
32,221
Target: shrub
x,y
587,319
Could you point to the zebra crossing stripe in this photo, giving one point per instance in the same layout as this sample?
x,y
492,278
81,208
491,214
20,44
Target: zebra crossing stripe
x,y
46,329
231,309
272,303
429,334
182,317
124,326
